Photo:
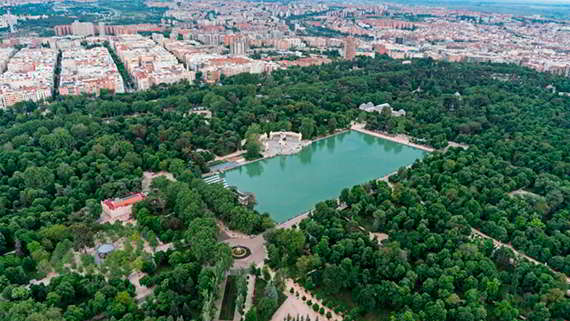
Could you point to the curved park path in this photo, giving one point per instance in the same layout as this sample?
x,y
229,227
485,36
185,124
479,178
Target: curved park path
x,y
293,221
402,139
230,156
149,176
497,244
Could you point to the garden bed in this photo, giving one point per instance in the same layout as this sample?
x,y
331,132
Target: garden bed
x,y
229,301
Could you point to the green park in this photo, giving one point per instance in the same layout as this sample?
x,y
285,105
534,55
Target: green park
x,y
476,230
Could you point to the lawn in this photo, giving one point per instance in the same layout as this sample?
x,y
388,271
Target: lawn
x,y
229,300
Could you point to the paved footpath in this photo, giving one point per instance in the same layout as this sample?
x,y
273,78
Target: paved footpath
x,y
297,219
293,221
294,306
250,289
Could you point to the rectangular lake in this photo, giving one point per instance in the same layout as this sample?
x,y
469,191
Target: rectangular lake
x,y
286,186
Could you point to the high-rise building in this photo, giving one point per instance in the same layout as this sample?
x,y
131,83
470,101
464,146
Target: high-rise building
x,y
349,48
380,49
88,29
238,46
62,30
82,28
101,28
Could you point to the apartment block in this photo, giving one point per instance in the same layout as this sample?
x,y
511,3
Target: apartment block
x,y
5,54
87,71
29,76
148,63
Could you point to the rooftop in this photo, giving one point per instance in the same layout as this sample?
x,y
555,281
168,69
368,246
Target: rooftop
x,y
105,249
125,201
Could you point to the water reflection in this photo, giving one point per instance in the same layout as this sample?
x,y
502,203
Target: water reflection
x,y
369,139
282,161
293,184
398,148
306,155
391,147
331,143
254,169
320,144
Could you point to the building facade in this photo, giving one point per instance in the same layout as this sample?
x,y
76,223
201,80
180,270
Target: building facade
x,y
238,46
119,209
349,50
87,71
29,76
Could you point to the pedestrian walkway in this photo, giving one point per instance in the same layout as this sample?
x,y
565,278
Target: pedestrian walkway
x,y
230,234
294,306
250,289
257,247
497,244
148,177
294,221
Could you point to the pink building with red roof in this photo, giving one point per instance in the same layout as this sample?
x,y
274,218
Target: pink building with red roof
x,y
120,209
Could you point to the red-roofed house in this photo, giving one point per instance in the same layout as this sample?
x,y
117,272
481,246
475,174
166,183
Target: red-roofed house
x,y
120,209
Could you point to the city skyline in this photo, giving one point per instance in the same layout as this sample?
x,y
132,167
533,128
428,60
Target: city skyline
x,y
214,39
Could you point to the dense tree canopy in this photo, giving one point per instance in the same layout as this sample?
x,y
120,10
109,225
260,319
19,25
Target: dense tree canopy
x,y
58,160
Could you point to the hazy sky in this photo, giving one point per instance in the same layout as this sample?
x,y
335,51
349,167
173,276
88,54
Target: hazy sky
x,y
532,1
535,1
511,1
558,9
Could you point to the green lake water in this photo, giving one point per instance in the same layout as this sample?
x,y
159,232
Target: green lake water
x,y
286,186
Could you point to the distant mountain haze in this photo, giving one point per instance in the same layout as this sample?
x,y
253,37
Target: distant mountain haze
x,y
557,9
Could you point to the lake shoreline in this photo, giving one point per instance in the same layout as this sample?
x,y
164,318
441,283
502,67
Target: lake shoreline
x,y
295,220
305,145
400,139
288,187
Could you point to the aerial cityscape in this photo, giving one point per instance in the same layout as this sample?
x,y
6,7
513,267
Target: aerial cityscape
x,y
215,38
283,160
